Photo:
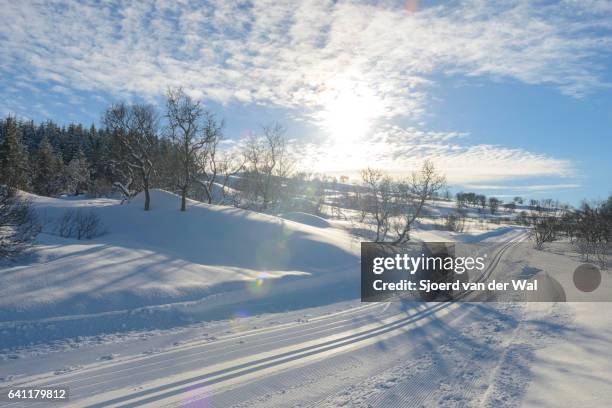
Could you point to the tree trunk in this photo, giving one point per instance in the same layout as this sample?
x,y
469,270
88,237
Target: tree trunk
x,y
208,191
147,197
187,179
405,235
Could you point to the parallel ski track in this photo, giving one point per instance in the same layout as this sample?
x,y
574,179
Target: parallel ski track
x,y
161,392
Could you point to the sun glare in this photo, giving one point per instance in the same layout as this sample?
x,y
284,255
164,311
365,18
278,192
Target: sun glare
x,y
349,110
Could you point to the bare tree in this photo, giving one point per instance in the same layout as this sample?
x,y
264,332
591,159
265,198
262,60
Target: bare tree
x,y
379,205
135,127
593,231
214,167
493,204
544,229
267,161
191,127
545,223
455,221
413,194
482,201
227,166
389,206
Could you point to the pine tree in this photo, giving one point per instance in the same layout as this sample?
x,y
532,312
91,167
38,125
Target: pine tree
x,y
47,170
14,163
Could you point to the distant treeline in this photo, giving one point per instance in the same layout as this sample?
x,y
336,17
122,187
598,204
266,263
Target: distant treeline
x,y
48,159
141,147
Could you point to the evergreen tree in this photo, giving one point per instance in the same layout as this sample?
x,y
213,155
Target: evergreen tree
x,y
14,163
47,170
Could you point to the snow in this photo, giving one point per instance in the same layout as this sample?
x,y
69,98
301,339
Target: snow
x,y
162,256
218,306
307,219
575,372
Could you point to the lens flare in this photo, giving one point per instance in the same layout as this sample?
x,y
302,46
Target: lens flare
x,y
260,285
199,394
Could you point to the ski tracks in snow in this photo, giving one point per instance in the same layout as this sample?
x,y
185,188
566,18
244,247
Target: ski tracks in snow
x,y
486,364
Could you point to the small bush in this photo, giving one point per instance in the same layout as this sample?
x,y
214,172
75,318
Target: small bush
x,y
455,222
19,224
597,252
79,224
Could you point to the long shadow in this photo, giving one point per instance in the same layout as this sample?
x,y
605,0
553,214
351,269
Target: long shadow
x,y
425,338
444,340
291,250
185,313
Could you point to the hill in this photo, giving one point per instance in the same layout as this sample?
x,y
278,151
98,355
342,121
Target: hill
x,y
166,256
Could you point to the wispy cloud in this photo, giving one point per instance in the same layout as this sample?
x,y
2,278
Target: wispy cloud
x,y
531,187
287,54
401,151
299,55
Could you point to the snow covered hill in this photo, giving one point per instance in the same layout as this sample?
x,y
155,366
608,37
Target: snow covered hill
x,y
164,256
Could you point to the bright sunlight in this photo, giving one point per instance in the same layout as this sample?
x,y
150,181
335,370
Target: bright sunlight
x,y
350,109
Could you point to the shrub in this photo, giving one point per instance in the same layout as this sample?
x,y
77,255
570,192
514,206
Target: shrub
x,y
19,223
79,224
455,222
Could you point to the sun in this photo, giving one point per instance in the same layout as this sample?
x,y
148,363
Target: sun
x,y
349,110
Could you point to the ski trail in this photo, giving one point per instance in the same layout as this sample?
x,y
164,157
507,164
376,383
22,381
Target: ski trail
x,y
259,363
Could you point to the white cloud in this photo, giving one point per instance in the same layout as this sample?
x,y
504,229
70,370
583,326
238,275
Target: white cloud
x,y
530,187
286,54
400,151
294,55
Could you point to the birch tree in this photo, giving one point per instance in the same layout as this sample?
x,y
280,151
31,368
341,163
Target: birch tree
x,y
192,128
413,193
135,127
215,167
268,161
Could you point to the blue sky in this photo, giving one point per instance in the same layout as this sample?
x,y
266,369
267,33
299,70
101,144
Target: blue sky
x,y
507,99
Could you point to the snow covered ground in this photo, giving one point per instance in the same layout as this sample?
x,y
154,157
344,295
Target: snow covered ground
x,y
164,256
224,307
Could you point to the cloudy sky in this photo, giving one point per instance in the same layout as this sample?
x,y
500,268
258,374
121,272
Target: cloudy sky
x,y
507,98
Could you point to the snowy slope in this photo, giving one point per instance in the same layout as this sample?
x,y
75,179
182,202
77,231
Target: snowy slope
x,y
162,256
307,219
146,336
